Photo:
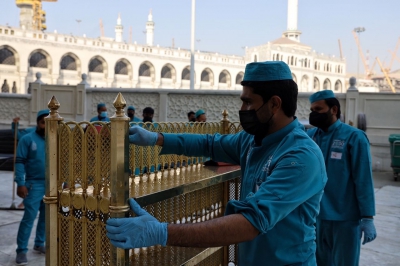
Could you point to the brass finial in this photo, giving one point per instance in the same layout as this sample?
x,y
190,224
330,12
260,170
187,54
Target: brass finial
x,y
119,104
225,115
53,106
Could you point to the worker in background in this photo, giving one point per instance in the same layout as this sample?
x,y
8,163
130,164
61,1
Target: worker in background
x,y
30,179
131,114
283,176
20,132
102,114
348,203
191,116
148,114
201,116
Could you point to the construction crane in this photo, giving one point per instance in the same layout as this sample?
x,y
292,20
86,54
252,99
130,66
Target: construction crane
x,y
389,67
34,7
395,56
367,70
386,74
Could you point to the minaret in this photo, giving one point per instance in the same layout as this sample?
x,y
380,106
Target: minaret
x,y
25,15
292,32
119,30
150,30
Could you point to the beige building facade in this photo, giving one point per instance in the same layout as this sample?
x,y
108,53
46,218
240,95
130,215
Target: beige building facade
x,y
112,62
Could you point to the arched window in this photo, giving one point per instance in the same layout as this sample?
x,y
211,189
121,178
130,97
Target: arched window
x,y
96,66
7,57
68,63
186,73
316,84
338,85
223,77
205,76
121,68
38,60
304,83
239,77
166,72
327,84
144,70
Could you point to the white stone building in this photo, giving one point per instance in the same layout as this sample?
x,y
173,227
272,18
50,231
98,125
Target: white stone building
x,y
111,62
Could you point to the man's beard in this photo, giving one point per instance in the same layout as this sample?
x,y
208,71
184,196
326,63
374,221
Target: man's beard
x,y
40,131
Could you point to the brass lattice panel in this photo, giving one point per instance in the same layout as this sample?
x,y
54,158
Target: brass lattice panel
x,y
175,189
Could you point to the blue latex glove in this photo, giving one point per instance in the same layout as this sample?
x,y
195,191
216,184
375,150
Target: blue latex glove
x,y
367,226
142,137
141,231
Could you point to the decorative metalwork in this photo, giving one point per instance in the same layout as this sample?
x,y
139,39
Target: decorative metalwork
x,y
92,179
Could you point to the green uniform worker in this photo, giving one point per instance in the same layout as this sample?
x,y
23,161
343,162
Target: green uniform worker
x,y
283,176
348,204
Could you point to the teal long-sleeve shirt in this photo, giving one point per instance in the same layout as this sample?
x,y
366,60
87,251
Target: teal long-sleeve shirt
x,y
101,119
30,159
281,188
22,132
349,192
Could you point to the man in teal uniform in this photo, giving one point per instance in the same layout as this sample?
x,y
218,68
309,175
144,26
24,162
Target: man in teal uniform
x,y
348,204
102,114
191,116
131,115
201,116
283,176
30,179
21,132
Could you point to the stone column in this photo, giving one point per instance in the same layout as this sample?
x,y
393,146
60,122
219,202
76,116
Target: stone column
x,y
163,107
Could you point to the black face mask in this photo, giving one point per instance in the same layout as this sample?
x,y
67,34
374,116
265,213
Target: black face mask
x,y
252,125
130,115
193,120
320,120
147,119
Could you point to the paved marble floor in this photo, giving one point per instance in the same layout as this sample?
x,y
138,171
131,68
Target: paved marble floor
x,y
384,251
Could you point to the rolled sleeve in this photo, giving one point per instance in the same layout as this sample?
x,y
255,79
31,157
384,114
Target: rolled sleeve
x,y
296,178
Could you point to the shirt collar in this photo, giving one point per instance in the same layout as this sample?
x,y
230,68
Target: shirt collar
x,y
277,136
334,125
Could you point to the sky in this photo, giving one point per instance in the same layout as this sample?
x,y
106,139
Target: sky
x,y
227,26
